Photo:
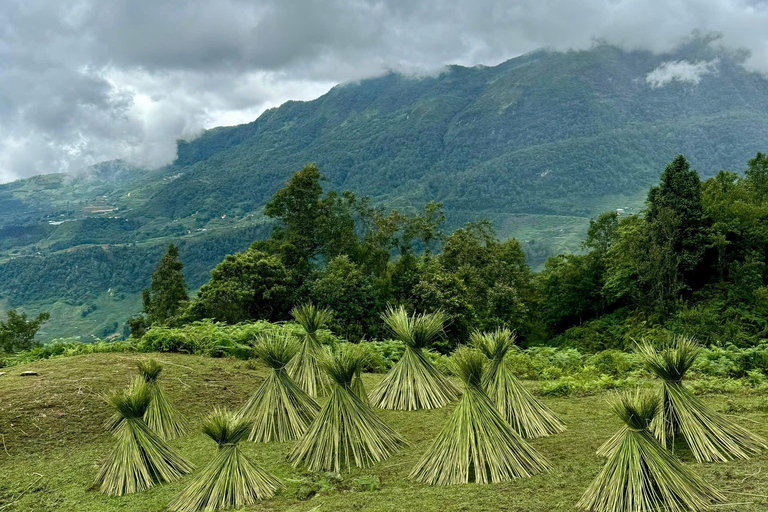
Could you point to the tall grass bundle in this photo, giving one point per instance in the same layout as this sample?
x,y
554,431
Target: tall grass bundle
x,y
476,444
347,431
414,382
528,416
710,436
279,410
161,415
305,368
640,475
140,459
230,480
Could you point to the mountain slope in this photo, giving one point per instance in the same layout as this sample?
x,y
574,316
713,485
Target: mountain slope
x,y
538,144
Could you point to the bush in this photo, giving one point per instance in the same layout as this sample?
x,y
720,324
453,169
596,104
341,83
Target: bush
x,y
214,339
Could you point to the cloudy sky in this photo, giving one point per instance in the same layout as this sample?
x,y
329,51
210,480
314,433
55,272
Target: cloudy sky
x,y
83,81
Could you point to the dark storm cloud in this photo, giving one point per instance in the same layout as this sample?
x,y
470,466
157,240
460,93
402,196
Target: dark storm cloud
x,y
88,80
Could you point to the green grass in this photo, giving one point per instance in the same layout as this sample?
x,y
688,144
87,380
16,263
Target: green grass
x,y
52,445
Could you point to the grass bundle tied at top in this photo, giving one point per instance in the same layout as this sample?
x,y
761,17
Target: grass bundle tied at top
x,y
140,459
305,368
640,475
358,387
414,382
280,410
161,415
230,480
476,444
528,416
710,436
347,432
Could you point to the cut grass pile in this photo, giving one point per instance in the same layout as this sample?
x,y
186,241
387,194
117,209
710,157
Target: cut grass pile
x,y
51,427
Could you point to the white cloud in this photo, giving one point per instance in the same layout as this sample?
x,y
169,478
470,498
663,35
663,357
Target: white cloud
x,y
680,71
88,80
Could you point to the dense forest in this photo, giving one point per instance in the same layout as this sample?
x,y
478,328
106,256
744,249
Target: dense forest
x,y
693,261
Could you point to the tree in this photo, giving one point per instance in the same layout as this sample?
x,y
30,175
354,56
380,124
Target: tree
x,y
675,212
343,287
246,286
168,291
602,232
17,333
757,175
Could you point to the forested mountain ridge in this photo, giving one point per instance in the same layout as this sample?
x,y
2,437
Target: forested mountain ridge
x,y
538,144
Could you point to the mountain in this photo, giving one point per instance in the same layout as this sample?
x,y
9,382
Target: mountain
x,y
538,144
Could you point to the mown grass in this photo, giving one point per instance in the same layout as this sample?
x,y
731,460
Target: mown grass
x,y
52,442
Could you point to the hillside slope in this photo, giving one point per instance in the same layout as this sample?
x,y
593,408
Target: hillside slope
x,y
538,144
54,442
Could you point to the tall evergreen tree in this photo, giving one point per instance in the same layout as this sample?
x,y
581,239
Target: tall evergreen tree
x,y
679,193
757,175
168,290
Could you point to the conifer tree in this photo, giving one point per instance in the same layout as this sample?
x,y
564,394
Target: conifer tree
x,y
168,290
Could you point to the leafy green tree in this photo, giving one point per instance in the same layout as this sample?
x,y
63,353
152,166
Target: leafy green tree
x,y
602,232
18,333
344,288
246,286
168,291
571,289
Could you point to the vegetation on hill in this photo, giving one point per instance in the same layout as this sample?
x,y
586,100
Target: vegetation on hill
x,y
693,262
538,145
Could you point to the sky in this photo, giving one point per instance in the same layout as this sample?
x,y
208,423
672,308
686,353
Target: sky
x,y
83,81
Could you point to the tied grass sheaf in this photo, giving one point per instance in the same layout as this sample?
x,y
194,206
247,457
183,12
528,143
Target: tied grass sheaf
x,y
161,415
414,382
305,367
527,415
280,410
346,432
230,480
140,458
476,444
710,436
641,475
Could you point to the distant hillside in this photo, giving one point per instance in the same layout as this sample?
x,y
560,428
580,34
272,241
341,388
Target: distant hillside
x,y
539,144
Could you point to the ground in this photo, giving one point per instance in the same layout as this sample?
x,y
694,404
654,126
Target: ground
x,y
52,443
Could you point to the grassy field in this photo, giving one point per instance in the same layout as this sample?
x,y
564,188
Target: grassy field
x,y
52,443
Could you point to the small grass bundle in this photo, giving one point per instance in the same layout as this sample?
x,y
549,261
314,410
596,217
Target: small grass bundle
x,y
476,444
305,368
230,480
710,436
347,431
640,475
161,415
529,417
414,382
358,387
280,410
140,459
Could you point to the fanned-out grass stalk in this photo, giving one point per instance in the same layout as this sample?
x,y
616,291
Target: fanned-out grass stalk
x,y
280,410
305,368
640,475
347,432
529,417
230,480
476,444
161,415
414,382
710,436
140,459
